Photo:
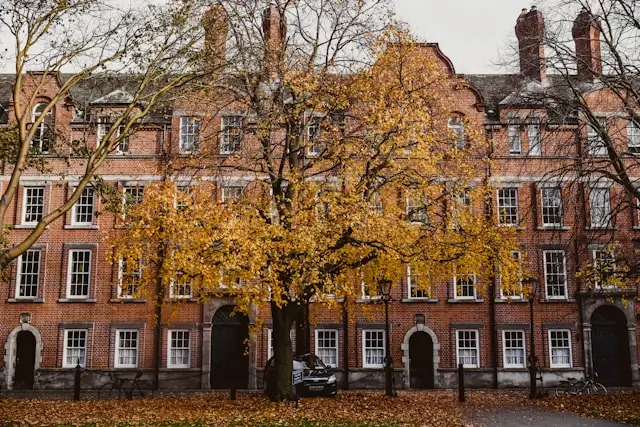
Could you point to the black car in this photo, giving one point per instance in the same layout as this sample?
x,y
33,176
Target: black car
x,y
317,378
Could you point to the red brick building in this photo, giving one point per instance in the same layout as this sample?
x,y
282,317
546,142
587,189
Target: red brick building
x,y
63,303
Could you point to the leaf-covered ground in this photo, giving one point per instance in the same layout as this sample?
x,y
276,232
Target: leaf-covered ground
x,y
435,408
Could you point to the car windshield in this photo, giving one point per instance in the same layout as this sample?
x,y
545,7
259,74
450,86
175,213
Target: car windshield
x,y
312,361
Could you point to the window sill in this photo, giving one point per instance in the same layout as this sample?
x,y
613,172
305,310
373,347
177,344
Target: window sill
x,y
129,300
553,228
80,300
418,300
80,227
555,300
511,300
604,228
181,299
465,301
369,300
27,300
24,226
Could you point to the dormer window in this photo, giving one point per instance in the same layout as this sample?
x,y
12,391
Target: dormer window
x,y
43,135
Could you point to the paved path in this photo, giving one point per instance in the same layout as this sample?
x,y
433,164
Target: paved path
x,y
533,417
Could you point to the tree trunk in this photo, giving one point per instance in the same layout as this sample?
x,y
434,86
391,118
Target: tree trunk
x,y
303,330
283,318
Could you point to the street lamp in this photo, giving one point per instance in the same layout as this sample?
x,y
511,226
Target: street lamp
x,y
385,291
533,359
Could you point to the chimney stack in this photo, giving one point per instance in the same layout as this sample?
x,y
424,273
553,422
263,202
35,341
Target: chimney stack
x,y
216,27
586,34
274,27
530,31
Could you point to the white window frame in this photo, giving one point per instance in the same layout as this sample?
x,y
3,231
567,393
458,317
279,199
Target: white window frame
x,y
231,192
318,348
80,203
610,258
132,200
551,332
42,133
189,138
476,348
176,285
416,209
517,256
513,134
134,294
71,273
171,348
595,144
269,343
633,136
313,135
116,356
548,209
510,219
413,286
456,277
599,213
230,134
506,349
83,349
20,273
547,274
456,126
26,198
535,139
365,348
103,125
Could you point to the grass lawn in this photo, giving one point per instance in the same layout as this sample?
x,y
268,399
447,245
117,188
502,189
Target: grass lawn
x,y
434,408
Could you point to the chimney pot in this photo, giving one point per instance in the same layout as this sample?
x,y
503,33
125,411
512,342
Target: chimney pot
x,y
530,31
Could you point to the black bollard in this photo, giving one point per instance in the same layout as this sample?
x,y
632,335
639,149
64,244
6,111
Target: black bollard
x,y
76,382
460,383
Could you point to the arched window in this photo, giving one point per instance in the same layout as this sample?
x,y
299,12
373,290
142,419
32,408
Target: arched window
x,y
456,126
43,135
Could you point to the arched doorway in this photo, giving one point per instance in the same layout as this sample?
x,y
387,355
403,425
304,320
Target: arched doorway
x,y
421,361
229,353
25,360
610,346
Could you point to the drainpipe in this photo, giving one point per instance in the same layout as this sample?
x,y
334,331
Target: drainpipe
x,y
345,346
493,327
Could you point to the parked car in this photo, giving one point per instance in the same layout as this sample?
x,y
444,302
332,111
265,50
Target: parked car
x,y
317,378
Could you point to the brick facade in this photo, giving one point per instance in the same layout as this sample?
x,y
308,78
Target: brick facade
x,y
426,333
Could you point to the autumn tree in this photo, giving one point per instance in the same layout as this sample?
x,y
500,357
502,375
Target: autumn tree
x,y
342,120
81,45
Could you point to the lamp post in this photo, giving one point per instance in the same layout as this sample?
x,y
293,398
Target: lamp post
x,y
385,291
533,359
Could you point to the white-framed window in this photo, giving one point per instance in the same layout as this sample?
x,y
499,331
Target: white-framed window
x,y
269,343
178,348
103,127
129,281
599,207
369,291
551,201
28,280
375,202
126,351
33,206
560,348
513,131
315,144
604,267
416,289
43,135
373,348
82,212
595,141
231,192
182,287
513,352
460,204
508,206
75,348
633,136
417,209
79,273
231,134
456,126
555,274
327,346
464,286
517,292
132,195
189,134
467,348
533,131
123,142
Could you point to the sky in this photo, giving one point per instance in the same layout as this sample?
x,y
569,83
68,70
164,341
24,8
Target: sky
x,y
472,33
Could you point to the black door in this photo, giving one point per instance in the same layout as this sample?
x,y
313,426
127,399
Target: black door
x,y
25,360
229,351
421,361
610,346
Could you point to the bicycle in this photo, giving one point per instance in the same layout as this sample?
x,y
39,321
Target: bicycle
x,y
570,386
592,386
122,387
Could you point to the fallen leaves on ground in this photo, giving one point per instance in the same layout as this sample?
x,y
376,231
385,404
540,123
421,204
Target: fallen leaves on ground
x,y
622,407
